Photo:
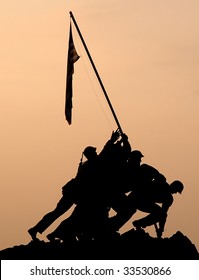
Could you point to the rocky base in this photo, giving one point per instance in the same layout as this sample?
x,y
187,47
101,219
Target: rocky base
x,y
132,245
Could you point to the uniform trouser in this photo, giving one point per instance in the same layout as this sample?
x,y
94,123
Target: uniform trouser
x,y
84,223
67,230
145,204
62,206
125,209
156,215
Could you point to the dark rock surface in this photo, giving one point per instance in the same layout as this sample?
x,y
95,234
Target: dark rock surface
x,y
132,245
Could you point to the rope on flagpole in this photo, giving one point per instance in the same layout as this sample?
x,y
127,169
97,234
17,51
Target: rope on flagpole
x,y
93,87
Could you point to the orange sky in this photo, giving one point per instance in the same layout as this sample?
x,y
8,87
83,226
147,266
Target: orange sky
x,y
147,54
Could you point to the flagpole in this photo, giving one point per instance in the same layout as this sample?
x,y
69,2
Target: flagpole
x,y
96,72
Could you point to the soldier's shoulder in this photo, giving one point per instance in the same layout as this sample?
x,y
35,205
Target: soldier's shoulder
x,y
69,186
146,166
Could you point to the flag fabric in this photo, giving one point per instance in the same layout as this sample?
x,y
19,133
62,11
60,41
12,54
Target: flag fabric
x,y
72,58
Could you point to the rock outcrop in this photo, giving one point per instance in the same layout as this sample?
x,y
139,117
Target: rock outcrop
x,y
132,245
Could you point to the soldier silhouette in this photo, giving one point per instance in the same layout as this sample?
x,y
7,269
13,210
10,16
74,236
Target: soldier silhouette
x,y
149,188
88,191
64,204
158,194
99,192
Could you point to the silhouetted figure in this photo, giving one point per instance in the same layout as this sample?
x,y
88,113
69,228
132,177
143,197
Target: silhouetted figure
x,y
140,176
113,161
88,190
161,194
67,200
89,219
149,187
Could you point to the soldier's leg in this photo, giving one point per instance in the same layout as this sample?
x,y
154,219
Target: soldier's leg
x,y
63,205
162,222
152,218
126,207
67,229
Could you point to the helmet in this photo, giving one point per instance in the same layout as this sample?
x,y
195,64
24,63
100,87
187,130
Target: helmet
x,y
135,154
177,186
89,150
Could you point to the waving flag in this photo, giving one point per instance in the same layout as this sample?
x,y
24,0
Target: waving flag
x,y
72,58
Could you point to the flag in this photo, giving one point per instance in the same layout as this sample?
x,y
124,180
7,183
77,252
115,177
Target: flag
x,y
72,58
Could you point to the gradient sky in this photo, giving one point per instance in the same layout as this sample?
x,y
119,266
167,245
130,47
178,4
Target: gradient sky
x,y
147,54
